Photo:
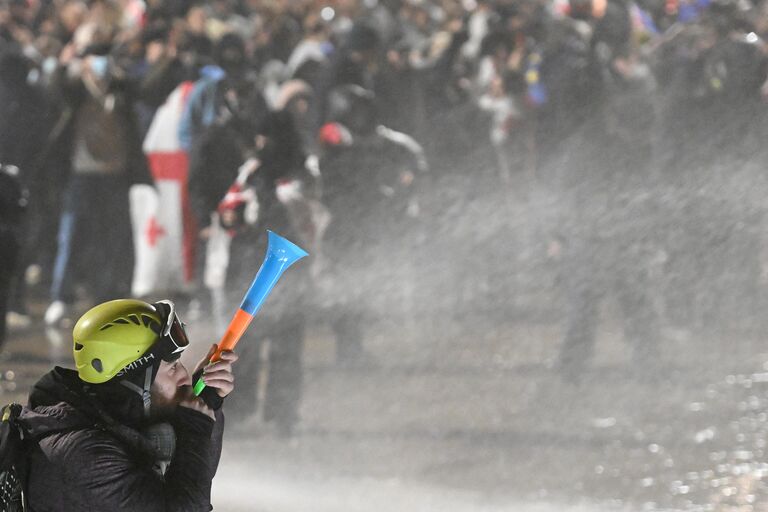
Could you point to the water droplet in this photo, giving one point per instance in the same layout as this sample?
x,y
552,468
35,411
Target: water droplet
x,y
717,456
704,435
604,422
327,13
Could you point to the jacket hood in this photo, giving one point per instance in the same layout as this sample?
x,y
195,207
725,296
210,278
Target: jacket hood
x,y
50,408
61,402
53,387
109,401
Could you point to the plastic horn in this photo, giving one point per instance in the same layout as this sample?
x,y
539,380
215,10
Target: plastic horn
x,y
281,254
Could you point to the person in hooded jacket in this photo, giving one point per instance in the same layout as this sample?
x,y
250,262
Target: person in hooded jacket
x,y
370,175
609,208
225,82
356,61
280,177
273,177
123,431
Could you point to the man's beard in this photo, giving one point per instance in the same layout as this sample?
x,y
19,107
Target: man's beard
x,y
162,407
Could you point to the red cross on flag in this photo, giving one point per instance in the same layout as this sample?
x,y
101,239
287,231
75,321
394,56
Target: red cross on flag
x,y
154,231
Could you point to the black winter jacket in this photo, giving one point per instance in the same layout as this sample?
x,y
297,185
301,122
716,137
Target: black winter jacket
x,y
80,459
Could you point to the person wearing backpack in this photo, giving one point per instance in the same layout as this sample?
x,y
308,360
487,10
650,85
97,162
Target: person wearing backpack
x,y
124,431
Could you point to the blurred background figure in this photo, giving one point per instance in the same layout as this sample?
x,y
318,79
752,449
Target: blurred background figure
x,y
226,80
13,202
536,199
610,189
105,159
370,174
272,373
23,126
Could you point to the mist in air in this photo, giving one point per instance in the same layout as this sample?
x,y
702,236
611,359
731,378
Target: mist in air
x,y
538,270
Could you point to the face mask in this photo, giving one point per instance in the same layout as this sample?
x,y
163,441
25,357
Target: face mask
x,y
99,65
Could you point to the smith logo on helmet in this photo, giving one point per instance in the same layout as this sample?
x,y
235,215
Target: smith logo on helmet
x,y
139,363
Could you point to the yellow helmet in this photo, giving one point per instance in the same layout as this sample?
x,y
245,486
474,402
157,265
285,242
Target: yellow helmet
x,y
112,335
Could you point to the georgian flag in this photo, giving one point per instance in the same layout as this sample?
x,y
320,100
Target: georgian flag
x,y
164,231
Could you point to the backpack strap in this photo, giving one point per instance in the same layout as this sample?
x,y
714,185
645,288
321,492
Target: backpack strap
x,y
11,436
12,447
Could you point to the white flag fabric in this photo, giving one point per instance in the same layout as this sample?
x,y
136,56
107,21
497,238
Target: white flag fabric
x,y
164,230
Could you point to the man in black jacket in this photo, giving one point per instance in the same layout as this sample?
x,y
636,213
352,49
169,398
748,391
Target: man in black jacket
x,y
370,176
124,431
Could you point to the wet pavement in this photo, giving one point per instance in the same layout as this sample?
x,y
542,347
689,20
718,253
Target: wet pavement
x,y
445,421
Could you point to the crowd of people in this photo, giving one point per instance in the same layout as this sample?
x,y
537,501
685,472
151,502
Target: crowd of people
x,y
326,120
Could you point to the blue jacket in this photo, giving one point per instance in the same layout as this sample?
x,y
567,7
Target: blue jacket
x,y
201,109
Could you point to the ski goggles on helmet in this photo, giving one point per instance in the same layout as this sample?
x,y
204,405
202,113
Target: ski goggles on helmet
x,y
173,336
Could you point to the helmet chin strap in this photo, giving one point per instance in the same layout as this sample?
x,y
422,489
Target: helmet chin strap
x,y
144,392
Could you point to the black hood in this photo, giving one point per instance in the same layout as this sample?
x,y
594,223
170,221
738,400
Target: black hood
x,y
49,409
111,399
61,402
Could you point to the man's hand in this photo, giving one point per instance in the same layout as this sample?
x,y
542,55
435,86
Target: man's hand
x,y
218,375
196,404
